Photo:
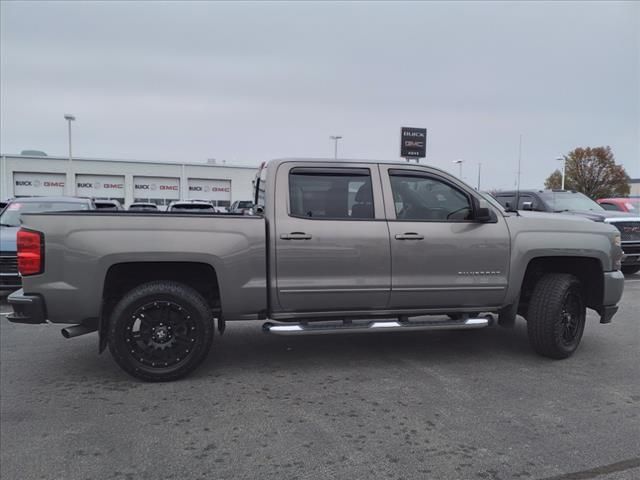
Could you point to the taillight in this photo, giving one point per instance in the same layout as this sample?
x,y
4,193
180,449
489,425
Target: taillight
x,y
30,252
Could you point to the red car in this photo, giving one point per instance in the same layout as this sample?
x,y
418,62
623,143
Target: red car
x,y
630,205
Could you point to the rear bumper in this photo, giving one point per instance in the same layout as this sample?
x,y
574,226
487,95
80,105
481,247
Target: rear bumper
x,y
613,288
26,308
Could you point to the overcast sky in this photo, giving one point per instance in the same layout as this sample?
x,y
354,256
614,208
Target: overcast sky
x,y
246,82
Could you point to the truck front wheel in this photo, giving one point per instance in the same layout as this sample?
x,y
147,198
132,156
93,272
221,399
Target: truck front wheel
x,y
556,316
160,331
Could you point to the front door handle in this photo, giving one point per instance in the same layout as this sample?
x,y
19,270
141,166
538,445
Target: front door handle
x,y
295,236
409,236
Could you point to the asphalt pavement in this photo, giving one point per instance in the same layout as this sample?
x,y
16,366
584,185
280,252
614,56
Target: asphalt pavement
x,y
431,405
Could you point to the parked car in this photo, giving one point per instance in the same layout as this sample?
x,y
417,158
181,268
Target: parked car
x,y
629,205
413,241
143,207
241,207
198,206
10,221
575,203
109,205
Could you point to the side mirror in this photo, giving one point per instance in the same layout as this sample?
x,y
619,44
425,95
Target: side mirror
x,y
527,206
482,213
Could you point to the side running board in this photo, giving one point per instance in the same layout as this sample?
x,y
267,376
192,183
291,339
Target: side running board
x,y
373,326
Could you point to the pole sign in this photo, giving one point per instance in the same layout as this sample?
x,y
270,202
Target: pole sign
x,y
413,142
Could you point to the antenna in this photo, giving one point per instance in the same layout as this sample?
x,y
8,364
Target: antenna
x,y
519,170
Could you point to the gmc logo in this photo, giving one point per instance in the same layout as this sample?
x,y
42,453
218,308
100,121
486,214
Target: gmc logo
x,y
168,187
631,229
54,184
113,185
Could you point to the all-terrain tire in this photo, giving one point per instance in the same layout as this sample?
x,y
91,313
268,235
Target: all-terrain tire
x,y
160,331
630,269
556,316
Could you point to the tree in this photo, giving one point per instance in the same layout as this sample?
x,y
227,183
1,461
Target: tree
x,y
592,171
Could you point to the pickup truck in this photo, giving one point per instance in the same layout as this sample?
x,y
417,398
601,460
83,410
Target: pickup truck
x,y
331,246
567,202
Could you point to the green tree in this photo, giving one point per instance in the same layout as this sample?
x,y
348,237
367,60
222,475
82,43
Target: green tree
x,y
592,171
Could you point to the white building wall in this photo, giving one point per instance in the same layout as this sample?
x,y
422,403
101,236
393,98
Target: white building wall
x,y
81,170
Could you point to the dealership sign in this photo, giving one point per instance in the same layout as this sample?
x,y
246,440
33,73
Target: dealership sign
x,y
413,142
38,184
104,186
156,187
204,189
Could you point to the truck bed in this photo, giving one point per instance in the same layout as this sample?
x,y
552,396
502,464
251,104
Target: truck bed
x,y
81,248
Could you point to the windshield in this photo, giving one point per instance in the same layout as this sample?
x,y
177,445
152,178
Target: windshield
x,y
569,201
11,216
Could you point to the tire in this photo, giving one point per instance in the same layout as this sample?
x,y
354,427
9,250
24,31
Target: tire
x,y
630,269
556,316
160,331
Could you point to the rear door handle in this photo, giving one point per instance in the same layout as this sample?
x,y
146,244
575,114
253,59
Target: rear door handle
x,y
295,236
409,236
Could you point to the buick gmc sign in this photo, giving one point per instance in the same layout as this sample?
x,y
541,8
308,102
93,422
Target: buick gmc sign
x,y
38,184
413,142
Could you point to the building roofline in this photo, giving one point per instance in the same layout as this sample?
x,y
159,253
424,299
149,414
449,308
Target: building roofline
x,y
113,160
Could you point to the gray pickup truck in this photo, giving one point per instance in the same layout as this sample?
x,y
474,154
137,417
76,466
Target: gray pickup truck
x,y
349,246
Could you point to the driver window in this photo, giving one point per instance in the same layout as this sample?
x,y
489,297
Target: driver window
x,y
426,198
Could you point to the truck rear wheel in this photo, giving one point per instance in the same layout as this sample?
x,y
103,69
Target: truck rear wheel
x,y
630,269
556,316
160,331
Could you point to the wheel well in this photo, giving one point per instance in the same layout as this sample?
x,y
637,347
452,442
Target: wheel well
x,y
123,277
587,270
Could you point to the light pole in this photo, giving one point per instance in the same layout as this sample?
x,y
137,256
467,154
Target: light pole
x,y
479,168
459,162
335,139
69,118
562,159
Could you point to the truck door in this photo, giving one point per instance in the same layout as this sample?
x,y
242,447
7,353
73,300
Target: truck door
x,y
440,256
331,239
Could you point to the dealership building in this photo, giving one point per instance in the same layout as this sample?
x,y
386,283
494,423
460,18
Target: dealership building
x,y
124,180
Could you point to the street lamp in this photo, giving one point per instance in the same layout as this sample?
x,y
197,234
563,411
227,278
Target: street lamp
x,y
69,118
459,162
562,159
335,139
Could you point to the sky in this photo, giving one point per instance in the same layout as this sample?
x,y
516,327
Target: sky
x,y
247,82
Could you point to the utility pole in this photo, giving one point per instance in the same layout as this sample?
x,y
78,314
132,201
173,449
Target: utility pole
x,y
564,163
479,168
335,139
70,177
459,162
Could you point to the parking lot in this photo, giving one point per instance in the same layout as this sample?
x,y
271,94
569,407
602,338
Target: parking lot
x,y
464,405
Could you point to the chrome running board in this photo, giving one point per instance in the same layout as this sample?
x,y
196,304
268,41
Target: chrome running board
x,y
373,326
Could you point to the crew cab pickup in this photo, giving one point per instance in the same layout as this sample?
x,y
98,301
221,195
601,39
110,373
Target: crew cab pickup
x,y
567,202
332,246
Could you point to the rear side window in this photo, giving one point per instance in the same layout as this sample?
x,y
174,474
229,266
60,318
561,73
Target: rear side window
x,y
331,193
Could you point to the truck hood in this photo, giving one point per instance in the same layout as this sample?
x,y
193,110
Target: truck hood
x,y
554,222
8,239
597,216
